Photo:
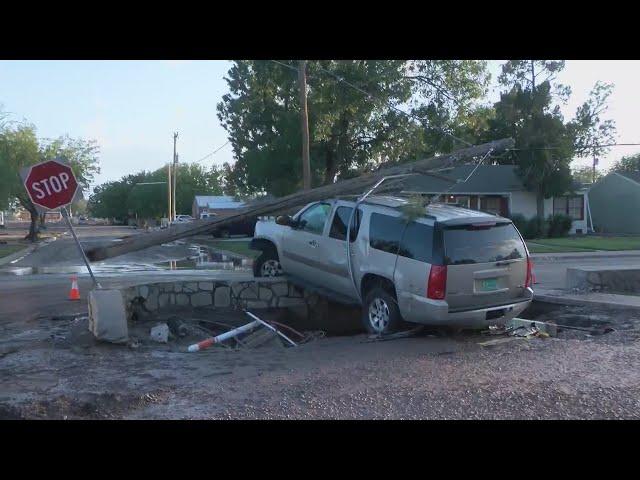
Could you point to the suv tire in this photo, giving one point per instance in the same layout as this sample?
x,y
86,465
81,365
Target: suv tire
x,y
380,312
267,265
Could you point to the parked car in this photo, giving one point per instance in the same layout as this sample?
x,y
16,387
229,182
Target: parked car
x,y
183,219
449,266
243,227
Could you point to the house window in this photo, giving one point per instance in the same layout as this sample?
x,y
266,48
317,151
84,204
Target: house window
x,y
571,206
490,204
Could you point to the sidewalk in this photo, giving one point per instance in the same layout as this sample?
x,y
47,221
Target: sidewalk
x,y
595,299
579,255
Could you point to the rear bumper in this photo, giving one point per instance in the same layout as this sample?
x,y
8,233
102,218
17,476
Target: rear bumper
x,y
417,309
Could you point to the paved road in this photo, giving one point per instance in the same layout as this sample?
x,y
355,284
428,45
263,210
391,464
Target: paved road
x,y
551,273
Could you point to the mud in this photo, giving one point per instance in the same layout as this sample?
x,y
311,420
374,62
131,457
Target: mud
x,y
52,368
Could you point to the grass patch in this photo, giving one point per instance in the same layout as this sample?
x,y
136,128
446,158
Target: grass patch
x,y
8,249
241,247
582,244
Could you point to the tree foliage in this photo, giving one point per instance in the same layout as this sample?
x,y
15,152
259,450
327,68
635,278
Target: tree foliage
x,y
20,148
355,116
630,163
139,195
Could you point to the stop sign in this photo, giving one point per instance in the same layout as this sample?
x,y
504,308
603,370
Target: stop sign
x,y
51,184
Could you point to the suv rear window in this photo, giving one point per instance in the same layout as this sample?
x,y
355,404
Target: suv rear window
x,y
417,238
468,244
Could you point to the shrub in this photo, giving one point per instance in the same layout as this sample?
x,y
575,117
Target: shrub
x,y
520,222
559,225
536,228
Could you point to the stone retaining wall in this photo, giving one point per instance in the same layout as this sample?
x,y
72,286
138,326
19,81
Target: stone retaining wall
x,y
257,294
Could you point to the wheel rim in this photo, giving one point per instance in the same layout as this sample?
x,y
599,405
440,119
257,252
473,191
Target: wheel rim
x,y
379,314
271,268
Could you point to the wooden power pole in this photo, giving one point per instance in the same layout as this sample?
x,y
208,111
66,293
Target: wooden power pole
x,y
175,175
169,191
304,120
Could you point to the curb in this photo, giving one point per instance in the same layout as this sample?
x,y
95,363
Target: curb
x,y
559,300
544,256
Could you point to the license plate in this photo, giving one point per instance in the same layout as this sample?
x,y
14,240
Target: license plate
x,y
488,284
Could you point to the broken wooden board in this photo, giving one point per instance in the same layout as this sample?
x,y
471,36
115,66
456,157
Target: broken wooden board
x,y
268,207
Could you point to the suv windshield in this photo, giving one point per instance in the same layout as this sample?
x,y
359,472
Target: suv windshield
x,y
469,244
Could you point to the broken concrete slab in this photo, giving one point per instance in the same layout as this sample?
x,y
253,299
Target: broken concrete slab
x,y
545,327
160,333
107,317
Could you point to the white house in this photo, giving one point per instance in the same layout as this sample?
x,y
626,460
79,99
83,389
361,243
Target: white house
x,y
498,189
213,204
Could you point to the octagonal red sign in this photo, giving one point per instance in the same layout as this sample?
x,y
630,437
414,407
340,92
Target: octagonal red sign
x,y
51,184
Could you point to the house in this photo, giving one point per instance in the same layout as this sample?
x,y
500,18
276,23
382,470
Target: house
x,y
499,190
615,203
213,204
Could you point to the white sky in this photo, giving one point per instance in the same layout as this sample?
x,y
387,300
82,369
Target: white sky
x,y
132,107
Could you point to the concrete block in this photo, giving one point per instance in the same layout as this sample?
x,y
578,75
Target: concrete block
x,y
177,287
163,300
206,286
222,297
190,287
143,291
265,294
249,293
182,299
152,300
201,299
160,333
107,317
280,289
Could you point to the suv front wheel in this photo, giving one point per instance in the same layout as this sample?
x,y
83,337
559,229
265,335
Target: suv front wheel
x,y
267,265
380,312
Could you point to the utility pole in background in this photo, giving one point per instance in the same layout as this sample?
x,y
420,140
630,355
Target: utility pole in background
x,y
304,119
175,174
169,190
595,162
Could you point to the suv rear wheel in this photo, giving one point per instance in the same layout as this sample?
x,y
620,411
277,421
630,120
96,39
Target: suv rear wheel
x,y
267,265
380,312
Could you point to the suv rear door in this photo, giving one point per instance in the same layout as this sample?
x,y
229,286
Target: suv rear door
x,y
486,264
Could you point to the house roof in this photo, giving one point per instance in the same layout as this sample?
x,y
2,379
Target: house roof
x,y
486,179
635,176
217,201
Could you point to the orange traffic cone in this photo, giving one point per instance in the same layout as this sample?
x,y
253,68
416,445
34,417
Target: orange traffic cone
x,y
74,294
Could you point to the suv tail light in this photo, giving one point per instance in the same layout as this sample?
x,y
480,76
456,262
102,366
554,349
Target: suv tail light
x,y
528,282
437,285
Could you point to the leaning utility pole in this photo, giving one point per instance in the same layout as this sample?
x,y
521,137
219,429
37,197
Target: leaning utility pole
x,y
175,175
304,120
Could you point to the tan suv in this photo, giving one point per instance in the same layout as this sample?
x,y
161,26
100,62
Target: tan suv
x,y
449,266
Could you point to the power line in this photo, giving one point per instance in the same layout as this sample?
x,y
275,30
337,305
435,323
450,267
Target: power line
x,y
371,97
214,152
587,147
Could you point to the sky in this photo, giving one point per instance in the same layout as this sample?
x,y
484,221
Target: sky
x,y
133,107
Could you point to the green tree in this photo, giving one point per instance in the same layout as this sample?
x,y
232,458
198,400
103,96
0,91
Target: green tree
x,y
354,120
144,194
529,112
20,148
585,174
630,163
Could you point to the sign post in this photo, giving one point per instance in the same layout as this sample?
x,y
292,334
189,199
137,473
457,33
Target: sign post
x,y
53,185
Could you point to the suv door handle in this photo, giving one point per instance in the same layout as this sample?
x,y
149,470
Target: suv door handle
x,y
313,243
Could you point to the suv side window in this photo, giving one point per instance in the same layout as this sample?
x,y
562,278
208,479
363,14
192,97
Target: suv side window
x,y
340,221
384,232
313,219
416,242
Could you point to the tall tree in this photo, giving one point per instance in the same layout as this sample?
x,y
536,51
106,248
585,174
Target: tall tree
x,y
354,117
